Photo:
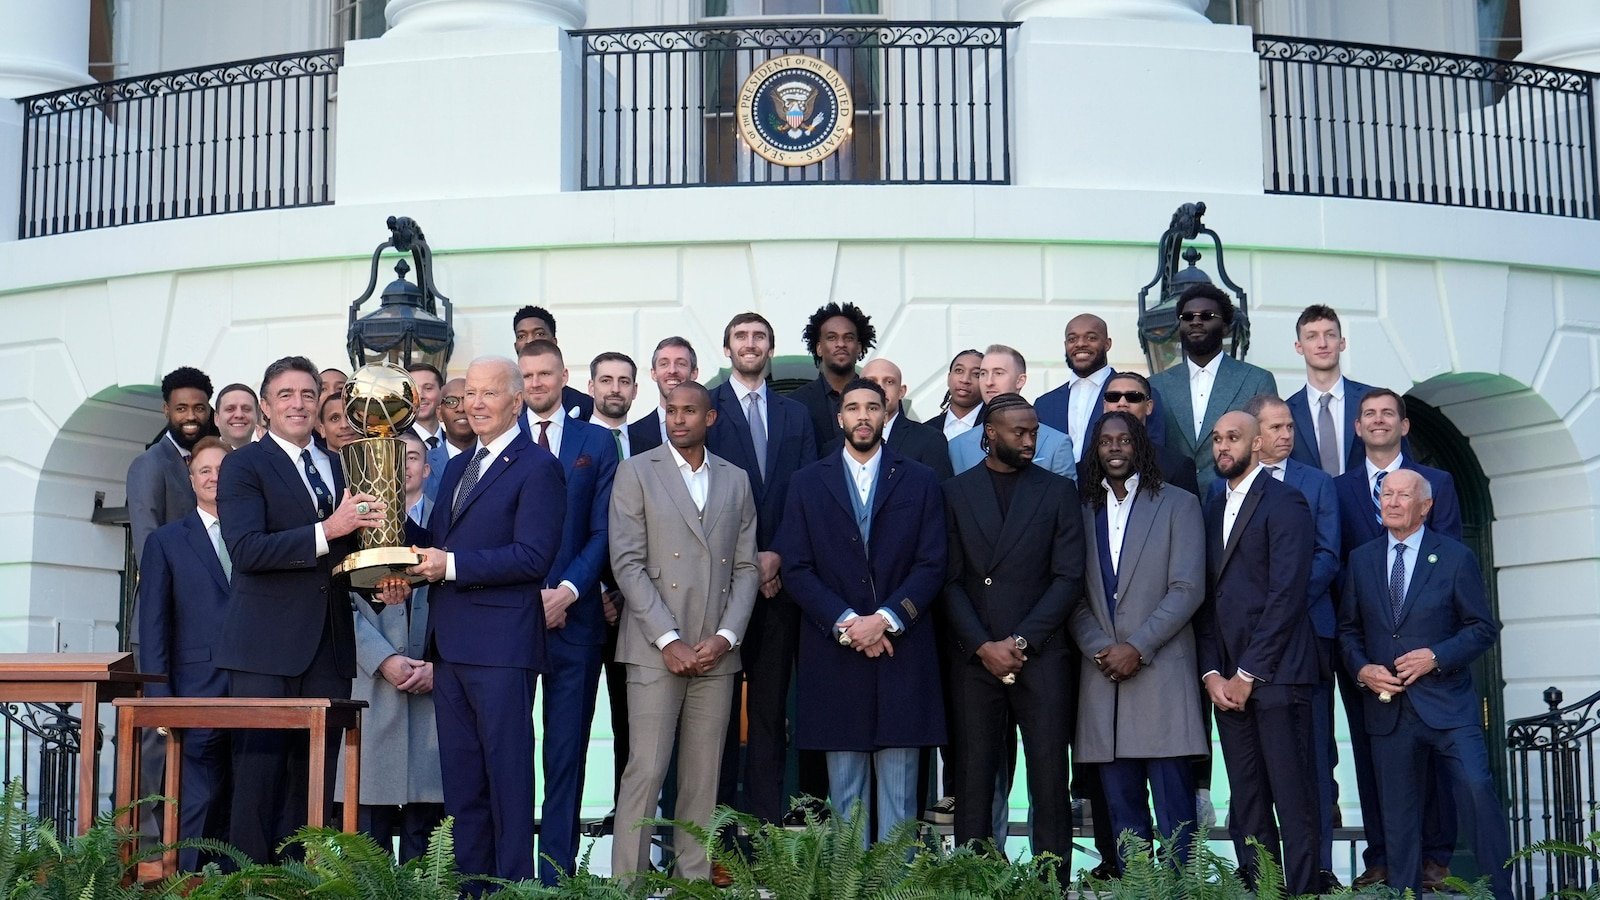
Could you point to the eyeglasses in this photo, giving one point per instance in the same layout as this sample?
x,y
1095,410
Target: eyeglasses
x,y
1204,316
450,402
1129,396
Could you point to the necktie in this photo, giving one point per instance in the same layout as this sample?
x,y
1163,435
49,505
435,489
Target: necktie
x,y
758,429
544,434
1327,441
1276,471
616,435
319,488
469,479
1377,499
222,550
433,442
1397,582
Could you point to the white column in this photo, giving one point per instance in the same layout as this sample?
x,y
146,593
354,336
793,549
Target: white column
x,y
417,16
44,46
1561,33
1168,10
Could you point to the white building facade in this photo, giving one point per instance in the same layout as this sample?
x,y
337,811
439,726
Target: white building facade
x,y
479,119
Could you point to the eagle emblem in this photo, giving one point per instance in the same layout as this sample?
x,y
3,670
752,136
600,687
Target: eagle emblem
x,y
793,101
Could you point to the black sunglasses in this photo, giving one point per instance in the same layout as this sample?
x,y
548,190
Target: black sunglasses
x,y
1130,396
1204,316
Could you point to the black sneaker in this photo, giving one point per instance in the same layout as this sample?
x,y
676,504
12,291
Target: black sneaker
x,y
942,812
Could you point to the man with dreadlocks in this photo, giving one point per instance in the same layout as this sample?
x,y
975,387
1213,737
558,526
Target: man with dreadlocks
x,y
837,337
1016,572
1146,580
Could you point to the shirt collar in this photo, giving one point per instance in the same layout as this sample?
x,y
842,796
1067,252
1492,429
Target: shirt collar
x,y
888,426
498,445
1111,496
1211,367
1315,396
181,452
743,393
291,449
1413,544
682,463
206,519
971,418
1391,468
1249,479
870,466
1097,377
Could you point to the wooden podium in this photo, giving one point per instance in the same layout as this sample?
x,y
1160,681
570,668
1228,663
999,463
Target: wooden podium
x,y
84,678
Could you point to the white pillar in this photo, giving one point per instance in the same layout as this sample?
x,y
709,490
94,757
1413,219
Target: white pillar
x,y
43,47
1561,33
417,16
1168,10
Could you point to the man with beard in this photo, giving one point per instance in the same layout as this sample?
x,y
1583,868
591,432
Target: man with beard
x,y
1258,654
1076,406
864,547
453,415
963,404
574,621
1004,371
1016,573
238,415
770,438
1136,638
158,479
1209,383
673,362
1131,393
613,383
837,337
920,442
535,323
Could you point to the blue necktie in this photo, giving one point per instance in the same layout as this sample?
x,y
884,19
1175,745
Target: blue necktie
x,y
469,480
319,488
1397,583
1377,500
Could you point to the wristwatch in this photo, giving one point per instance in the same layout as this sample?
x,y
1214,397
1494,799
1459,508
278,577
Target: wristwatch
x,y
1020,641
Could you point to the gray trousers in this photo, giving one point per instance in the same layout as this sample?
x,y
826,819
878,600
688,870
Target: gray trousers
x,y
662,709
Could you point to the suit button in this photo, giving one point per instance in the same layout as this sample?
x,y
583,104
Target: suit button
x,y
1114,596
988,581
674,585
724,590
724,561
674,556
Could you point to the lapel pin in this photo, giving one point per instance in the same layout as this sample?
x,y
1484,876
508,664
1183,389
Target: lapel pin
x,y
1433,557
505,459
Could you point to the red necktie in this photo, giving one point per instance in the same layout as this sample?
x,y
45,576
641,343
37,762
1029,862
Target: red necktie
x,y
544,435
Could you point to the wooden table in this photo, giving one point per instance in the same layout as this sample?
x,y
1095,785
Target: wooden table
x,y
314,715
88,679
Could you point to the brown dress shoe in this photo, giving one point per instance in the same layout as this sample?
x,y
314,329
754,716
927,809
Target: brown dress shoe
x,y
1374,875
720,876
1433,875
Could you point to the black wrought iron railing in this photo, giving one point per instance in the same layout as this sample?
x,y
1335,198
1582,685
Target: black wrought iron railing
x,y
42,742
248,135
1387,123
930,104
1555,794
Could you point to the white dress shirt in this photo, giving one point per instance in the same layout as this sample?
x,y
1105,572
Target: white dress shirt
x,y
1201,380
552,435
698,481
621,432
1413,547
661,423
1276,469
954,427
213,532
1230,512
496,447
1082,398
1372,471
324,468
888,425
1336,408
863,474
743,394
1117,512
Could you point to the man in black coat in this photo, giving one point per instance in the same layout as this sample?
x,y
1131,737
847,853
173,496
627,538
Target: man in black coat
x,y
837,337
914,440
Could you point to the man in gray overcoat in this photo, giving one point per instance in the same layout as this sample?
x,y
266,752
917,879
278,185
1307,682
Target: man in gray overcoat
x,y
1139,693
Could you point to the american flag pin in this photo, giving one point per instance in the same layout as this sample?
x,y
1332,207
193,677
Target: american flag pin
x,y
505,459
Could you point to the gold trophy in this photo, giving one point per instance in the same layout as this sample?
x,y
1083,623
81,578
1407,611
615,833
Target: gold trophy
x,y
380,401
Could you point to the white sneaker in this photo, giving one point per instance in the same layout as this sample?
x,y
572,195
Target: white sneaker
x,y
1205,815
943,812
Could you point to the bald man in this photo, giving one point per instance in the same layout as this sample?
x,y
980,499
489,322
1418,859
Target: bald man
x,y
1258,653
1076,406
923,443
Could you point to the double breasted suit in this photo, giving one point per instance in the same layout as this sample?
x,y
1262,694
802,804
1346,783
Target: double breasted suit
x,y
1234,383
1446,611
1017,572
486,636
1053,451
692,571
1255,621
774,630
183,598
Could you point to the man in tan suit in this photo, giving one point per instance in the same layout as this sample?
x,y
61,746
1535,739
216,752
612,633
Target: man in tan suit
x,y
683,549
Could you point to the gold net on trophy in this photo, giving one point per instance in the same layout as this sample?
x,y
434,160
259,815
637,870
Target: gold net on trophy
x,y
380,402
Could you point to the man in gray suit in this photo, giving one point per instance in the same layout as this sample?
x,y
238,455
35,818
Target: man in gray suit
x,y
1209,383
1145,581
683,549
158,479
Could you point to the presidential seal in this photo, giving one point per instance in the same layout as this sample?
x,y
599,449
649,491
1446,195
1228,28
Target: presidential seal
x,y
795,110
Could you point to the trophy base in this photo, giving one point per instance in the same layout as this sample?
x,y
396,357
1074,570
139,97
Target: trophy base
x,y
365,568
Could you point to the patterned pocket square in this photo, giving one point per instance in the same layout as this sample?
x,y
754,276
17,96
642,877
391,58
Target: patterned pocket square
x,y
583,462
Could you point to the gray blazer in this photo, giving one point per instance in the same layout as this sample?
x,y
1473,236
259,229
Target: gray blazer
x,y
679,568
1160,584
399,740
158,491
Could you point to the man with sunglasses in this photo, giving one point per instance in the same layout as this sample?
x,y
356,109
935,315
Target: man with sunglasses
x,y
1129,392
1210,383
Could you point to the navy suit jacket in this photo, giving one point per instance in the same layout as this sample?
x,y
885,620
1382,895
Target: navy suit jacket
x,y
791,446
183,597
1317,487
505,544
644,434
1445,610
895,702
282,591
574,399
1358,515
1305,434
1254,617
589,460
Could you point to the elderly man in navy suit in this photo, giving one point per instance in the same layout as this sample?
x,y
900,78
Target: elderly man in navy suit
x,y
864,547
183,594
1412,618
491,544
1258,653
287,520
574,621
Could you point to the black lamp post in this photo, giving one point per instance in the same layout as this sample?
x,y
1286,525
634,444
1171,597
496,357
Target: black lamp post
x,y
1158,323
406,327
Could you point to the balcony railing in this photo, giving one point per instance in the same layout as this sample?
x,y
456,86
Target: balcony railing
x,y
247,135
1383,123
1555,794
930,104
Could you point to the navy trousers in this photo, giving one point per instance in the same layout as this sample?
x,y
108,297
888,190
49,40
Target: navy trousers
x,y
485,718
1129,785
1267,751
570,688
